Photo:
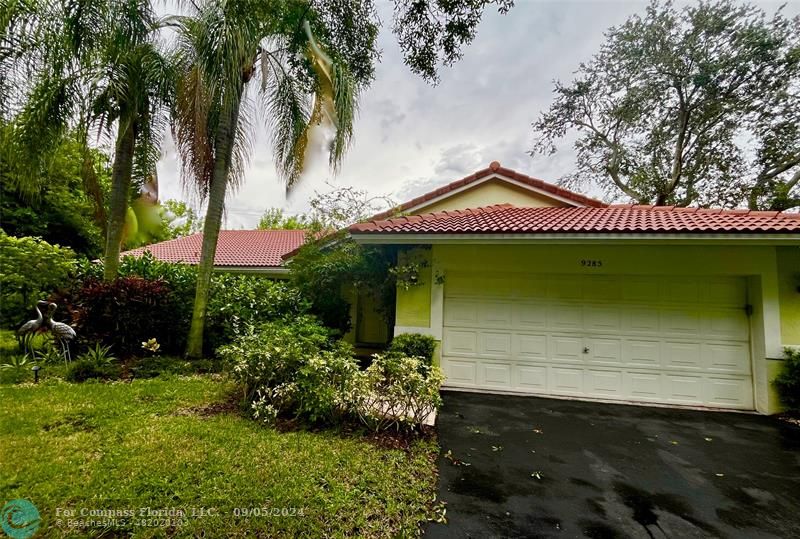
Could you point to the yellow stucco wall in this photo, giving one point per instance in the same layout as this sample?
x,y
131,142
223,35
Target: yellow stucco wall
x,y
789,289
414,305
773,271
488,193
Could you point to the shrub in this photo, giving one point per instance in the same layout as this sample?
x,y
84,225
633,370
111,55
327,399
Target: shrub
x,y
396,392
293,367
86,369
788,382
322,271
125,312
239,303
30,270
414,345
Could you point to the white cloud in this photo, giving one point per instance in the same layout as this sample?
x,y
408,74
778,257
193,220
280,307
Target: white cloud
x,y
411,137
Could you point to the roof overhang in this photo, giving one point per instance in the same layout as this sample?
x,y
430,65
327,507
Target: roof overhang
x,y
581,238
276,271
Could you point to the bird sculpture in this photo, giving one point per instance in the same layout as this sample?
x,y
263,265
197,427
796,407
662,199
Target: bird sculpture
x,y
62,333
28,329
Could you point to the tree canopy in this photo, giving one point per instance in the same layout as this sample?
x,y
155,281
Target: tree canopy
x,y
697,106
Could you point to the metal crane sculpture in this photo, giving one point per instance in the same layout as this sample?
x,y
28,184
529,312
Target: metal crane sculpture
x,y
31,327
62,333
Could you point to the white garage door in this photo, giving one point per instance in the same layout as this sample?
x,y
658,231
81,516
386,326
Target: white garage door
x,y
682,341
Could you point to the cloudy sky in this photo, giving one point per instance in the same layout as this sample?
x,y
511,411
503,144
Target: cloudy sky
x,y
412,137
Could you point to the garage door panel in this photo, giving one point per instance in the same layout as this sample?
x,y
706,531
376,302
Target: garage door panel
x,y
652,339
728,358
604,384
461,312
681,291
530,346
680,322
461,372
495,375
641,320
724,291
602,318
644,386
565,348
726,325
530,316
684,389
682,355
566,380
492,344
495,314
604,350
531,377
730,392
460,341
642,353
565,317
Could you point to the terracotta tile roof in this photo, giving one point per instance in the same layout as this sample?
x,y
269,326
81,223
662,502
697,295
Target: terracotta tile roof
x,y
508,219
243,248
492,169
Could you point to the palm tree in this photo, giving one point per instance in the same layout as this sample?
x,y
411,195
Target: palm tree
x,y
94,67
223,49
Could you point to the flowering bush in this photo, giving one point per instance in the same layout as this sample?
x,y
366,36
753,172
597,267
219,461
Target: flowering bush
x,y
397,392
414,345
294,368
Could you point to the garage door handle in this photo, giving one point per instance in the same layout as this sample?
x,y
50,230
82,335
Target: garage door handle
x,y
585,349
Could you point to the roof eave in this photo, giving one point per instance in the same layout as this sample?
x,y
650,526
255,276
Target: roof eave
x,y
694,238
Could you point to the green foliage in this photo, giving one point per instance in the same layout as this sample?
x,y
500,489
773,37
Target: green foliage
x,y
30,269
397,392
88,369
433,33
697,105
414,345
788,382
60,208
293,368
17,365
49,354
98,354
239,303
274,219
322,272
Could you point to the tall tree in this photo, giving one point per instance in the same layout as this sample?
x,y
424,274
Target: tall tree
x,y
311,59
693,106
95,67
301,84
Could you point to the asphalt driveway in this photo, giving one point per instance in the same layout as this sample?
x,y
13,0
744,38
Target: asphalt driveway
x,y
531,467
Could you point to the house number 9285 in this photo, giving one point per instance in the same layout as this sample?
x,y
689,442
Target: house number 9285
x,y
591,263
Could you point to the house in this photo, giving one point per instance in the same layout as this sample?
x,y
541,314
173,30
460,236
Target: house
x,y
239,251
532,289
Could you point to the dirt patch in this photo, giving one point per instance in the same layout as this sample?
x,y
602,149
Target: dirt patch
x,y
228,406
71,422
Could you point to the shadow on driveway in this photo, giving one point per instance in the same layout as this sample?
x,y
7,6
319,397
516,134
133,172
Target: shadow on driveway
x,y
533,467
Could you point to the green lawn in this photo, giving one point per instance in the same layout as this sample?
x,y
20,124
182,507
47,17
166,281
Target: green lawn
x,y
172,442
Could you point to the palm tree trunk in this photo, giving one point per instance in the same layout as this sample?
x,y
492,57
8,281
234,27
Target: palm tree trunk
x,y
118,205
223,150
